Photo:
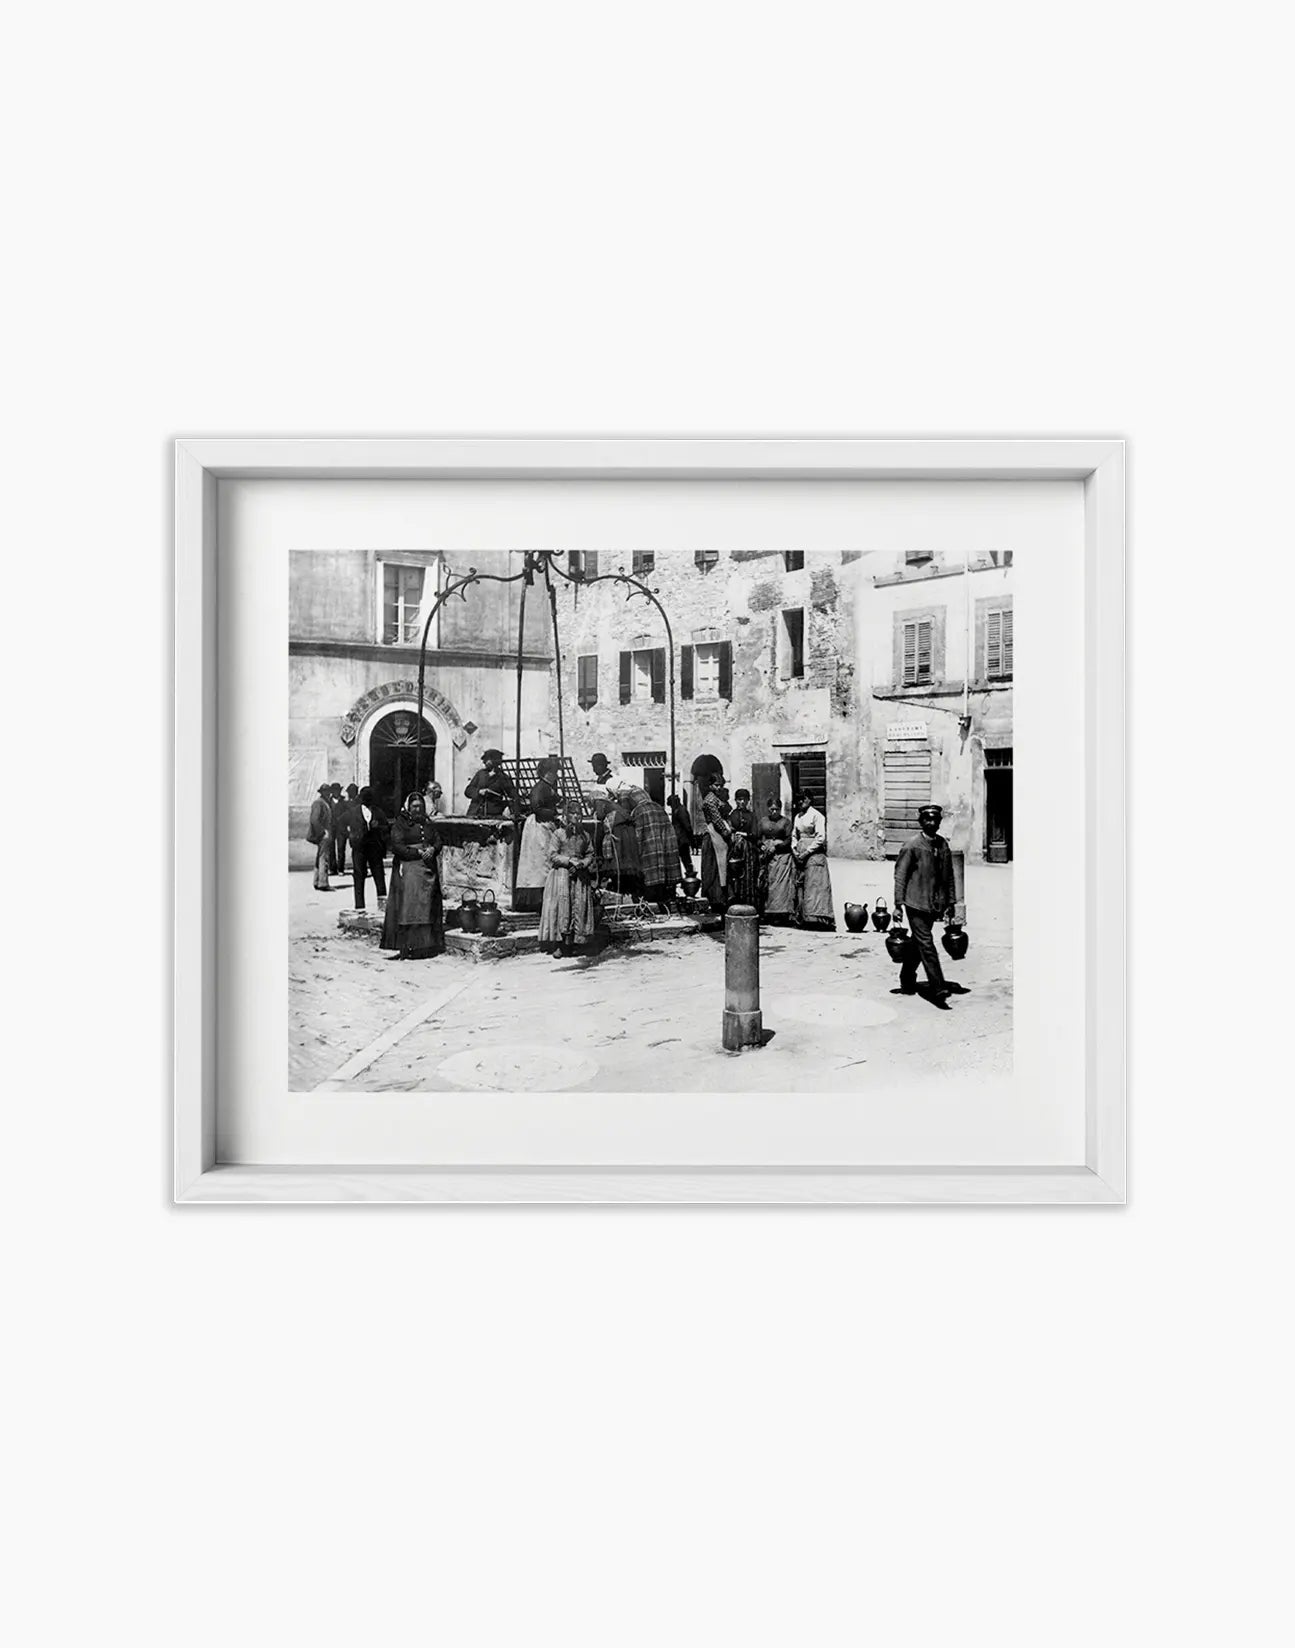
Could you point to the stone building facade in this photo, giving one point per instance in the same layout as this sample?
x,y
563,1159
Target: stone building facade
x,y
873,680
354,624
934,647
765,676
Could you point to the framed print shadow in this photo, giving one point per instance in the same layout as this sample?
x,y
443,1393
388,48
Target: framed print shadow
x,y
667,821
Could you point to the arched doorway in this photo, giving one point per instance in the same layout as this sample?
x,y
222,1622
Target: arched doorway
x,y
393,755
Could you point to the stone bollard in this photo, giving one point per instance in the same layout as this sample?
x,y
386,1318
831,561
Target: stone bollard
x,y
743,1023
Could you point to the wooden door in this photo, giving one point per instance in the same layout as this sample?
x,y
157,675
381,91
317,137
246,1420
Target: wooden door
x,y
906,777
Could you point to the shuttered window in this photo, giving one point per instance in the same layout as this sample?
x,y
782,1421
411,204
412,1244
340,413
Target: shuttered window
x,y
583,563
998,644
587,681
642,675
706,670
643,562
917,651
917,557
705,559
793,559
791,645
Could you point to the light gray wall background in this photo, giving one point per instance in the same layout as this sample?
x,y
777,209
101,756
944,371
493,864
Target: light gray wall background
x,y
640,1428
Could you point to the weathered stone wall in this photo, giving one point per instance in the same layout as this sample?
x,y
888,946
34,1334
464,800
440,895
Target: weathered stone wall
x,y
740,600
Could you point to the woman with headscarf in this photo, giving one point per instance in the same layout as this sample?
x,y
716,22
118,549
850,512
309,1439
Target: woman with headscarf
x,y
709,778
621,847
778,877
658,852
809,851
414,923
743,858
541,822
570,904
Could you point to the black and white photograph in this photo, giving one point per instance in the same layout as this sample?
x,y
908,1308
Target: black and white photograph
x,y
642,821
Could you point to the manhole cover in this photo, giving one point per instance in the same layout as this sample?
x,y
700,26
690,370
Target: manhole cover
x,y
518,1069
841,1012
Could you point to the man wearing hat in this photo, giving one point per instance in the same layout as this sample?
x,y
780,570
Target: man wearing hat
x,y
490,791
924,887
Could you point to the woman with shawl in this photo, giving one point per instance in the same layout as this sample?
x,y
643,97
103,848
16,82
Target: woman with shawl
x,y
621,847
657,850
709,778
541,822
570,903
809,851
778,879
743,859
414,923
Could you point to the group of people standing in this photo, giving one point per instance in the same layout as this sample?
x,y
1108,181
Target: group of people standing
x,y
632,845
775,864
413,921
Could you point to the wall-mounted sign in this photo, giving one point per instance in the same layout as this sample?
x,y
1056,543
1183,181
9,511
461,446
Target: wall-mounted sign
x,y
900,732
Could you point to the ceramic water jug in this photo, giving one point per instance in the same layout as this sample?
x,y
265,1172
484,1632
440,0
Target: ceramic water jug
x,y
881,916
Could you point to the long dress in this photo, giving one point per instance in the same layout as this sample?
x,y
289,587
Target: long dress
x,y
533,859
621,850
778,879
813,883
743,859
570,904
714,852
414,923
658,851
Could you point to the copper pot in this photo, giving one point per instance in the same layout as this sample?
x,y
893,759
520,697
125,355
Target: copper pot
x,y
469,912
881,916
955,940
856,917
488,914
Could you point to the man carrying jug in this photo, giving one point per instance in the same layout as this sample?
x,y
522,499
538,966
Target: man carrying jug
x,y
924,887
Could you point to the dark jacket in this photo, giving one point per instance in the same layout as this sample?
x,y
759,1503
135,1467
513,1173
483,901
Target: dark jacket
x,y
490,806
357,829
924,875
321,821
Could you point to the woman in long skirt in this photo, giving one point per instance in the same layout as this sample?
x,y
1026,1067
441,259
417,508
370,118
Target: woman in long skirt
x,y
656,848
621,867
414,923
714,842
778,877
541,821
743,857
570,904
809,851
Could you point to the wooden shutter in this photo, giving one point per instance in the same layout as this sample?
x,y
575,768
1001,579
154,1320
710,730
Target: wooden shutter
x,y
924,628
685,672
766,780
591,563
726,669
627,676
588,681
906,773
910,654
658,675
998,643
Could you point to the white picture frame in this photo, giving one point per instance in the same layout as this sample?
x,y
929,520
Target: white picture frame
x,y
1099,464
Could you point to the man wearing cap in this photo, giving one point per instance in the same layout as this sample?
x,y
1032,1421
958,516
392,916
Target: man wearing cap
x,y
490,791
924,887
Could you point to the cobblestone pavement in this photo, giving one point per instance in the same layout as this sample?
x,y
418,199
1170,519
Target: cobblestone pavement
x,y
646,1016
